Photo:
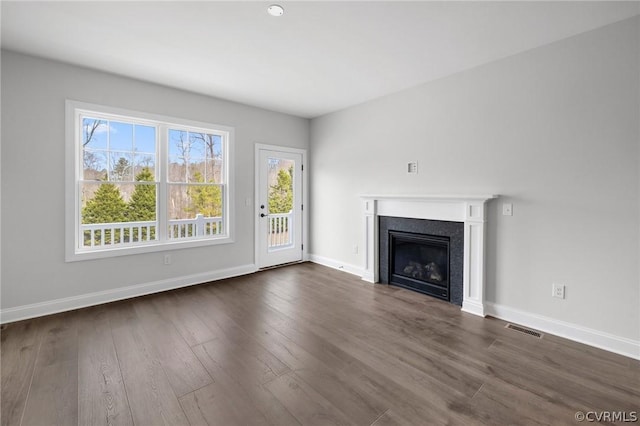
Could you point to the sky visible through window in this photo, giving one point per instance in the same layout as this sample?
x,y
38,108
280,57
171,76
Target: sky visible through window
x,y
125,154
143,181
117,151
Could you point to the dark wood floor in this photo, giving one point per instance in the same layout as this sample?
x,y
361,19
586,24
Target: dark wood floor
x,y
299,345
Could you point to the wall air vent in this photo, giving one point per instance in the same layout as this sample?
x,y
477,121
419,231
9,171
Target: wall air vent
x,y
524,330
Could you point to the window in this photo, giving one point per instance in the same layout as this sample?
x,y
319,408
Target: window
x,y
140,182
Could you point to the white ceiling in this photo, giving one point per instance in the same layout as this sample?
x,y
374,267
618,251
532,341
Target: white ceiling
x,y
317,58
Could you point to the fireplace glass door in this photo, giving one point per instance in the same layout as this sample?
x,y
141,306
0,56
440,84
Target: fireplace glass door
x,y
420,262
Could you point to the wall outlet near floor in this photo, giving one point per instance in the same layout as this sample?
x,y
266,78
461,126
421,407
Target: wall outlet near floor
x,y
167,259
412,167
557,290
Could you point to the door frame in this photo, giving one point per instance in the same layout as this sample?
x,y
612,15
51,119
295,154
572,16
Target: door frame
x,y
256,197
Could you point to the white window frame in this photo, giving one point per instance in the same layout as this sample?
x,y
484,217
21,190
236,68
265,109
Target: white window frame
x,y
73,166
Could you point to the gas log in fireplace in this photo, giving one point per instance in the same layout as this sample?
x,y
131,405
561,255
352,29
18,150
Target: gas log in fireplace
x,y
422,255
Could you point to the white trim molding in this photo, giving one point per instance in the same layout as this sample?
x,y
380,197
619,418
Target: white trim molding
x,y
469,209
588,336
332,263
75,302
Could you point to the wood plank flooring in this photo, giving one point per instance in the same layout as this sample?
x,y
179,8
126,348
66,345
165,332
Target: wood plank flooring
x,y
300,345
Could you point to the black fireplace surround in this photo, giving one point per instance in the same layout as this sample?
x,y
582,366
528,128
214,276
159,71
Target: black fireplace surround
x,y
422,255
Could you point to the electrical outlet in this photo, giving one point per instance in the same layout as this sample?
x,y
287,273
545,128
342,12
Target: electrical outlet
x,y
167,259
507,209
557,290
355,249
412,167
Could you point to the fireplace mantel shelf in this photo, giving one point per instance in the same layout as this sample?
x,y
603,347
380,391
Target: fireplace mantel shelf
x,y
430,197
469,209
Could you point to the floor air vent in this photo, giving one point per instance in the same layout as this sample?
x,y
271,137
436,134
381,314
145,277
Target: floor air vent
x,y
525,330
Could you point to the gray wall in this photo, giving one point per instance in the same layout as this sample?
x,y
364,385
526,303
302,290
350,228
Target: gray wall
x,y
554,130
33,155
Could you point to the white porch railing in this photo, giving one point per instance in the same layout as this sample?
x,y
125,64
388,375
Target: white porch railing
x,y
133,233
117,234
199,227
280,231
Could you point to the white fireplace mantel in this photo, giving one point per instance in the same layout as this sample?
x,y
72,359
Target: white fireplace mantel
x,y
469,209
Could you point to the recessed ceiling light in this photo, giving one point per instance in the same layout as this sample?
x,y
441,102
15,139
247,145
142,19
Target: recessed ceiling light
x,y
275,10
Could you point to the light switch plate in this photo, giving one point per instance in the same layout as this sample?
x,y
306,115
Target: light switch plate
x,y
507,209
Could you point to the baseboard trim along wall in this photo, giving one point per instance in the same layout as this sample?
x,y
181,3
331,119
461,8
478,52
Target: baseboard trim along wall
x,y
70,303
588,336
335,264
577,333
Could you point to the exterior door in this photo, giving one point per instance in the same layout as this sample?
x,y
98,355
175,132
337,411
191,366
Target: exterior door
x,y
279,207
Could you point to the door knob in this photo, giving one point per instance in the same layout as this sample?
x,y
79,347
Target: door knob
x,y
262,215
262,206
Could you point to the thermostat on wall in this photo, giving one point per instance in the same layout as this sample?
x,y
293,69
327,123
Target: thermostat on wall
x,y
412,167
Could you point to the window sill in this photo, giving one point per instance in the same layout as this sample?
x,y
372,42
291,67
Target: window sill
x,y
79,255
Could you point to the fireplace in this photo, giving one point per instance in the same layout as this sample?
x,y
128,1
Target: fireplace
x,y
420,262
466,283
422,255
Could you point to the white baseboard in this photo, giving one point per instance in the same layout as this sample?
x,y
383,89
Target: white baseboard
x,y
474,308
82,301
599,339
577,333
335,264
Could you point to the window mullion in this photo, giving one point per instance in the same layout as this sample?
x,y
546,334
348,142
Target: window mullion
x,y
162,165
